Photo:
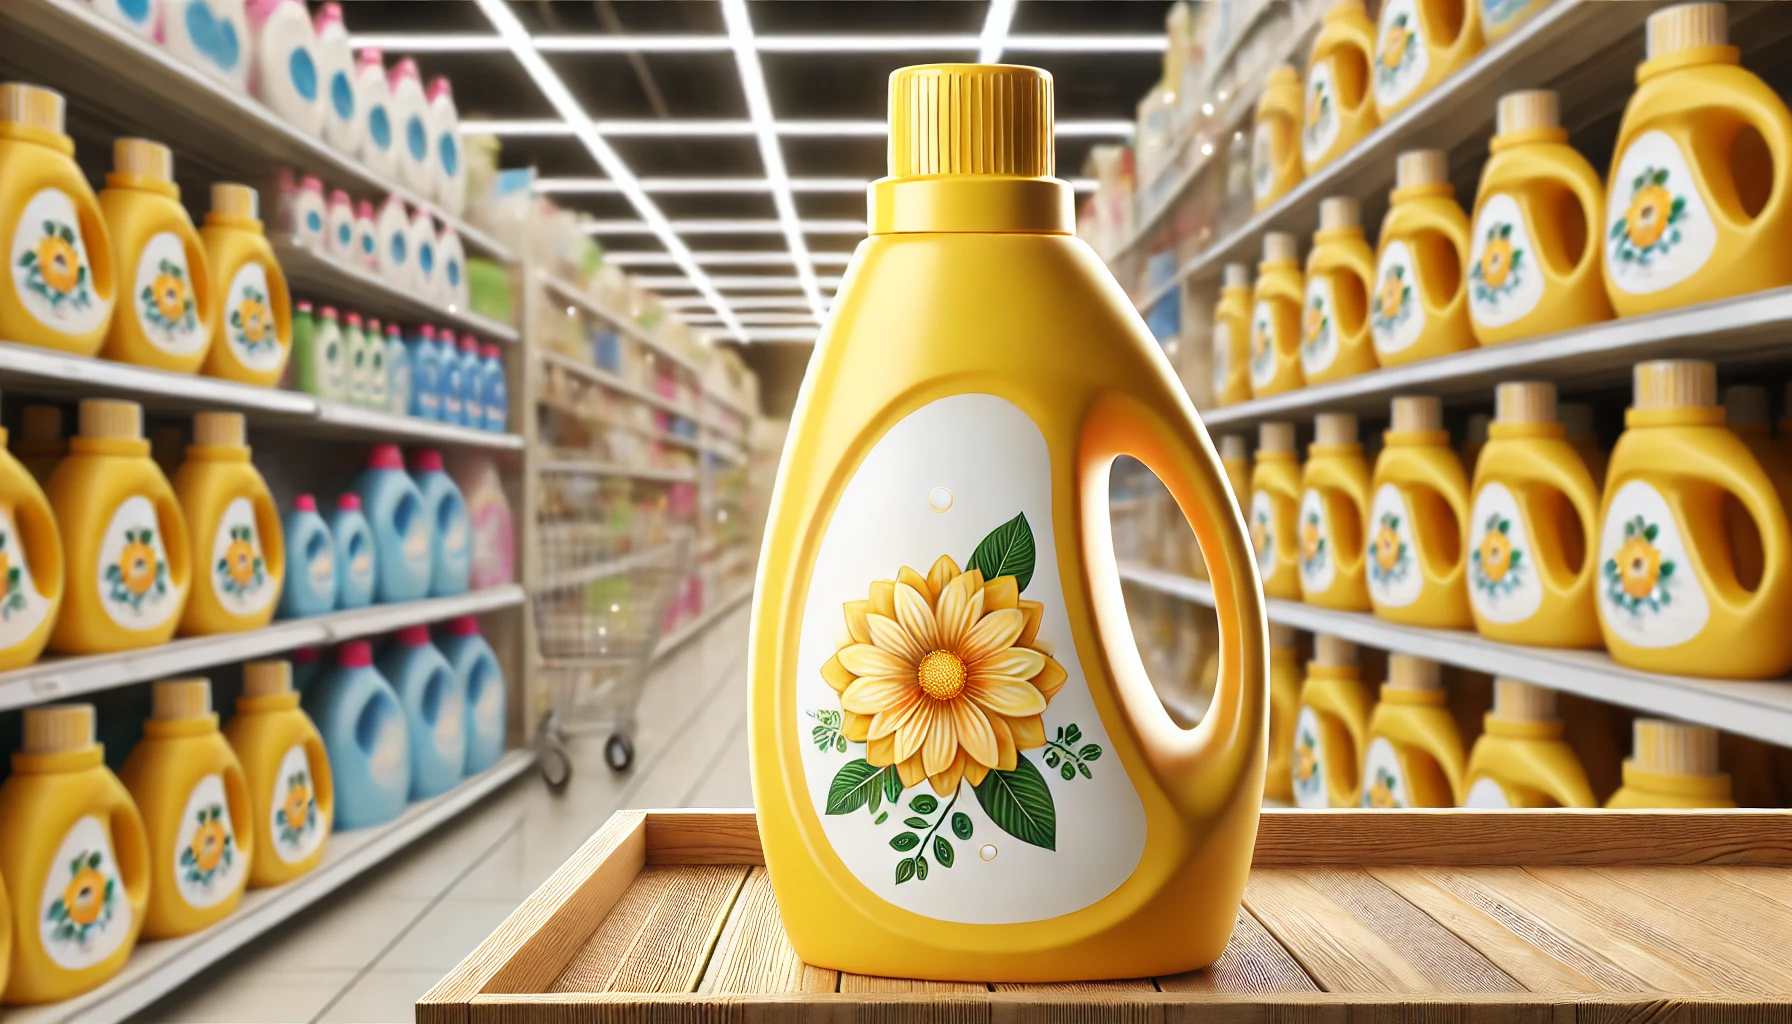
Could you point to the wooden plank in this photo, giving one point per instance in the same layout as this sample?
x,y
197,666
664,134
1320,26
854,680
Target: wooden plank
x,y
1091,987
754,954
703,837
1339,951
1451,964
1253,962
660,936
1774,885
868,983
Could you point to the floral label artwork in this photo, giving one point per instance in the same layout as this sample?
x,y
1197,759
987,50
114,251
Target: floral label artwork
x,y
238,569
1263,162
451,724
22,608
249,323
1648,593
1658,231
1222,358
135,588
1263,344
1400,55
51,274
1263,532
1505,281
167,311
293,817
208,863
951,747
1396,316
1320,132
1503,584
1384,786
83,915
1394,577
1495,13
1308,763
1318,329
1317,565
1487,795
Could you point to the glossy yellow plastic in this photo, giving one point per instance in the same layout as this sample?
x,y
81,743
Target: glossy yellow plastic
x,y
1418,530
1284,707
1232,343
1276,327
5,935
1420,306
1334,509
1419,43
162,322
1238,471
1335,338
1274,519
235,532
1416,727
1525,764
1673,766
251,310
1339,97
1643,790
1024,330
31,571
291,791
1275,137
1331,733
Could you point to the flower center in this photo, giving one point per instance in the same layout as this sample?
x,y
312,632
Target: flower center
x,y
941,675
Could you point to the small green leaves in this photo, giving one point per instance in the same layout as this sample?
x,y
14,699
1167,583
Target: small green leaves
x,y
916,822
1020,804
905,870
855,784
923,804
942,851
921,868
905,841
961,825
1007,551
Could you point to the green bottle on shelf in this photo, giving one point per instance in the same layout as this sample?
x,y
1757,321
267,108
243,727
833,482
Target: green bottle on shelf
x,y
317,353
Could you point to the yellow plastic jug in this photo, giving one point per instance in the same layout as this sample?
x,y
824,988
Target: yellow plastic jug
x,y
251,311
233,525
1275,137
1232,337
1275,511
59,289
1534,266
950,614
40,444
1418,522
1415,756
1284,708
1276,319
1521,760
291,795
1335,341
190,791
1331,727
168,291
1340,99
1699,202
1334,510
1672,765
1748,417
75,860
1577,419
124,541
1420,306
1419,43
5,935
1235,457
31,577
1531,579
1669,597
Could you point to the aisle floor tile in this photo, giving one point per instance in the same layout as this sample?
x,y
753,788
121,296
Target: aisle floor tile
x,y
285,995
381,997
444,936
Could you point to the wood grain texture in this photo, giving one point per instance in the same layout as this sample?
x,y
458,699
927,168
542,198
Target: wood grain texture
x,y
753,953
1766,882
869,983
659,948
1090,987
703,837
1253,962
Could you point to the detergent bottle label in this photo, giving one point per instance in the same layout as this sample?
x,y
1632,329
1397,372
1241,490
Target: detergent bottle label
x,y
1495,14
1648,593
1396,317
1394,577
1263,344
414,528
1384,786
1486,794
1319,336
454,533
956,757
1308,763
1317,568
1263,531
1263,162
1658,231
51,274
22,608
451,726
1222,358
239,574
1503,584
360,560
133,568
321,567
386,758
1320,132
167,313
249,325
1505,281
208,863
85,915
1400,55
488,707
293,814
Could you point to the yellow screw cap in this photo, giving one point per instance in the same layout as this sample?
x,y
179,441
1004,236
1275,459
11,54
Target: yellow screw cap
x,y
32,106
218,429
1674,748
230,200
58,728
1675,384
1334,428
141,158
1333,651
106,419
267,678
1515,701
175,700
1525,401
1421,167
1408,672
1416,412
1340,212
971,119
1236,275
1232,446
1275,437
1686,26
1522,111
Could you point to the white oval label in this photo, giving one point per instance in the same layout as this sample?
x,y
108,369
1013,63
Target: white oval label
x,y
1263,162
1319,335
1486,794
22,608
1393,571
1503,582
1308,764
1322,119
249,324
1317,559
293,816
1505,279
1648,592
238,568
134,583
1658,231
51,274
1222,358
1396,316
208,862
84,914
167,311
1384,786
1264,344
1263,531
1401,58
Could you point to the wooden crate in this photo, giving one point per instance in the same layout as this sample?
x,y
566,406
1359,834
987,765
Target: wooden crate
x,y
1524,915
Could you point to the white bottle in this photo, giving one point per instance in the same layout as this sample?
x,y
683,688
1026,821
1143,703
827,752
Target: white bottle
x,y
143,17
374,338
212,35
309,216
367,237
339,237
392,234
354,351
451,264
410,123
345,116
426,272
379,146
285,62
444,133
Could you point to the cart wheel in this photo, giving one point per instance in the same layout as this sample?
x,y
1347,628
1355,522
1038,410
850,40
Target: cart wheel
x,y
556,767
619,752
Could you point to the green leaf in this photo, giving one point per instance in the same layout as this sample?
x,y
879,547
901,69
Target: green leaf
x,y
853,785
892,785
1650,531
905,870
961,825
905,841
921,868
1090,752
1007,551
1072,734
1020,804
882,818
916,822
923,804
942,851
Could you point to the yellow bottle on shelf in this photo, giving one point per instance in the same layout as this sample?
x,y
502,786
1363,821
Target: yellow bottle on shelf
x,y
1331,727
167,289
1415,756
1339,97
1276,319
31,571
291,795
233,526
1420,306
1334,510
75,860
1669,597
1699,202
1418,522
1232,337
1748,417
1533,263
1335,341
1672,765
5,935
60,289
1530,577
1275,137
40,444
1024,344
1284,708
251,311
1419,43
1521,760
1577,419
124,542
1235,457
191,793
1275,511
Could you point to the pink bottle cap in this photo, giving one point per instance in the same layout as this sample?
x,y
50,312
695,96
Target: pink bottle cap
x,y
339,198
426,332
413,636
303,305
327,312
373,325
469,343
353,320
371,56
305,503
311,183
405,68
385,456
491,352
305,656
394,201
328,16
392,331
447,337
364,209
438,86
350,502
355,654
466,625
427,460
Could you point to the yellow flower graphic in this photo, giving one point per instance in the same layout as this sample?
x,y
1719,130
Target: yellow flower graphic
x,y
85,896
170,295
137,566
1387,548
298,799
239,560
1393,292
255,319
1496,262
1315,105
1639,566
1315,320
1647,217
57,261
1306,762
1380,794
208,844
1309,540
1259,534
1496,555
1393,47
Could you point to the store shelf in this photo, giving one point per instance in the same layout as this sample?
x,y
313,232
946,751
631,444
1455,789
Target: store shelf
x,y
357,420
591,468
589,574
575,295
158,968
676,639
330,280
598,375
1762,710
61,678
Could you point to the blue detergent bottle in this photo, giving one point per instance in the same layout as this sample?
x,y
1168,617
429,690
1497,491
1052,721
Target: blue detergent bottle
x,y
452,377
487,695
402,532
398,372
310,587
357,566
426,374
472,396
451,544
307,668
497,392
435,710
362,723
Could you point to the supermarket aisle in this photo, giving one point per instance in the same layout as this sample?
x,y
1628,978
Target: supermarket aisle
x,y
365,956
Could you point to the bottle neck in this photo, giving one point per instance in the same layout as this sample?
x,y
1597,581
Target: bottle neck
x,y
1692,56
62,144
972,203
1527,137
217,453
1416,438
1682,416
1526,431
139,183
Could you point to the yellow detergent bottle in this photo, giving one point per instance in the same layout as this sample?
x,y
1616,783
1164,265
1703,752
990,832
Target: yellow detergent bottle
x,y
40,444
1748,417
1669,597
1335,341
1521,760
1672,765
1339,97
1420,306
1334,510
1275,137
1232,337
233,527
1577,419
1699,202
1531,577
1419,43
59,289
291,796
1235,456
251,311
1534,263
1418,522
1415,756
1275,511
162,321
75,860
31,571
1284,708
1331,727
1276,319
194,801
124,541
952,610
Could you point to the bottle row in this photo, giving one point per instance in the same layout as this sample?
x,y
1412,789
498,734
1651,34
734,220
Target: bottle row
x,y
430,375
402,248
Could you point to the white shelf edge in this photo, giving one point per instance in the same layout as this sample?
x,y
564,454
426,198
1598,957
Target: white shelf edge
x,y
677,638
91,373
589,468
601,376
312,271
577,297
1762,710
413,429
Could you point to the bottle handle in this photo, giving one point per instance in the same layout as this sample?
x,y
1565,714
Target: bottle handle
x,y
236,796
1755,490
1231,742
1774,128
42,542
1589,192
272,537
176,542
1582,491
323,784
130,847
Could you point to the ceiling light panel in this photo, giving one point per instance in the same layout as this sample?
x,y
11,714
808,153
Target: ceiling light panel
x,y
475,42
698,127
